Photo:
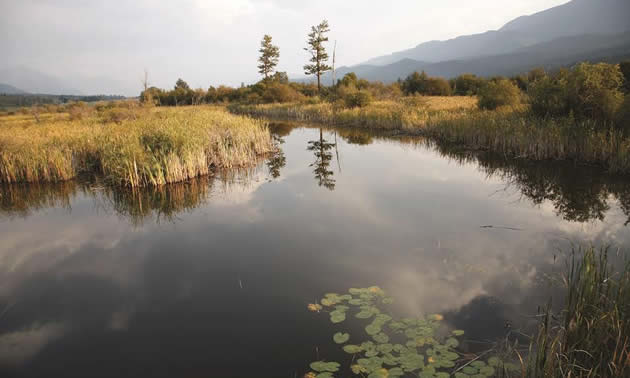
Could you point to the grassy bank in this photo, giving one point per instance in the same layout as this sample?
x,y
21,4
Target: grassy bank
x,y
512,132
590,337
128,146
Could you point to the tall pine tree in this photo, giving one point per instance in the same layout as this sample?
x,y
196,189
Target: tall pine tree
x,y
319,56
269,56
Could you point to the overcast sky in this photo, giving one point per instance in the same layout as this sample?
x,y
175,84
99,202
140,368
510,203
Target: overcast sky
x,y
210,42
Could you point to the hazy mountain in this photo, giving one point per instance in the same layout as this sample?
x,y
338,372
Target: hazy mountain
x,y
37,82
9,89
34,81
578,17
560,52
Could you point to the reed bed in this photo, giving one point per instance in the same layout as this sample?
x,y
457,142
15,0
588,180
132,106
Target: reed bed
x,y
146,148
591,336
511,132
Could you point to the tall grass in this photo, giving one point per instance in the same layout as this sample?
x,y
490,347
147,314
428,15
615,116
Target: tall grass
x,y
591,337
511,132
152,148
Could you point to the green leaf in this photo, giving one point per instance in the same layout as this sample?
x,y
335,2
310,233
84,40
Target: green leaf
x,y
478,364
381,338
321,366
494,361
452,342
488,371
324,375
341,338
352,349
458,332
470,370
337,316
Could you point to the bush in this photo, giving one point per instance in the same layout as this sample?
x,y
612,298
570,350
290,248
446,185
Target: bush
x,y
549,96
467,85
623,117
278,92
357,99
624,67
594,90
501,92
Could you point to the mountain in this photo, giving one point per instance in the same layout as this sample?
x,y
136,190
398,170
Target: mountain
x,y
9,89
577,17
561,52
34,81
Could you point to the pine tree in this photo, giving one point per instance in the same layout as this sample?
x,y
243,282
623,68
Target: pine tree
x,y
269,55
319,57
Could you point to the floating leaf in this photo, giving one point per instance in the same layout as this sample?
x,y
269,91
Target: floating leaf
x,y
327,302
470,370
352,349
355,302
372,329
494,361
380,373
488,371
385,348
478,364
321,366
452,342
450,356
358,369
442,375
396,372
388,300
324,375
341,338
381,338
458,332
337,316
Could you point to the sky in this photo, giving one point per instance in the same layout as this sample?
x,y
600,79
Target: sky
x,y
211,42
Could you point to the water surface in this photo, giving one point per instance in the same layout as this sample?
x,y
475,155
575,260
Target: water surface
x,y
213,277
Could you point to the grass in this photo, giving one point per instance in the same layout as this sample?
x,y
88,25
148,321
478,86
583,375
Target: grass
x,y
591,336
511,132
129,147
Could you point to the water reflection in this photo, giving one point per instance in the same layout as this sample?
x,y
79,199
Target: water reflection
x,y
277,160
322,149
227,282
577,193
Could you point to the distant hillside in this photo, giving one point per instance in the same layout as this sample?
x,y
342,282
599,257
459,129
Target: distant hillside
x,y
560,52
9,89
578,17
35,82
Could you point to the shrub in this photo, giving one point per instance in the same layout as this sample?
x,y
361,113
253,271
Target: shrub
x,y
278,92
423,84
467,85
501,92
595,90
357,99
623,117
549,96
624,67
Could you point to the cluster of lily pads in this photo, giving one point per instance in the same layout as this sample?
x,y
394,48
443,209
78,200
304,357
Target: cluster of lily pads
x,y
394,348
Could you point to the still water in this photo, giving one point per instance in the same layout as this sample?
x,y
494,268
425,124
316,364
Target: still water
x,y
212,278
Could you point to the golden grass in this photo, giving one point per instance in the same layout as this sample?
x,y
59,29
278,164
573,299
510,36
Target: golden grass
x,y
152,148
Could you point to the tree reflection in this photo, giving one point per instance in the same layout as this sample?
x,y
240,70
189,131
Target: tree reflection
x,y
323,157
277,160
577,193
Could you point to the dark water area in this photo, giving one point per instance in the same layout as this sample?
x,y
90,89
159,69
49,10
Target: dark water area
x,y
212,278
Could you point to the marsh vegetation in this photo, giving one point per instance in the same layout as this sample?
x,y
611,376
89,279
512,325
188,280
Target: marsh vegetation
x,y
128,145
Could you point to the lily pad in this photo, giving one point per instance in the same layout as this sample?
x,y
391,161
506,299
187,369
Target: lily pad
x,y
321,366
381,338
488,371
458,332
337,316
325,375
352,349
341,338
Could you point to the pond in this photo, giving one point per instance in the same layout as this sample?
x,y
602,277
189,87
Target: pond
x,y
213,277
